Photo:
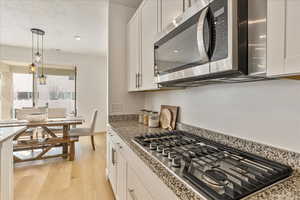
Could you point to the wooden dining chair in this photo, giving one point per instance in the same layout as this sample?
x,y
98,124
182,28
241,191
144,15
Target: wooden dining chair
x,y
90,131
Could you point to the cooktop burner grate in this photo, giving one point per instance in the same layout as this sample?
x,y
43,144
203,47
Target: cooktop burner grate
x,y
219,172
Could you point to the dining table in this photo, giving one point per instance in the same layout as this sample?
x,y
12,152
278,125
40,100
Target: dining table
x,y
54,139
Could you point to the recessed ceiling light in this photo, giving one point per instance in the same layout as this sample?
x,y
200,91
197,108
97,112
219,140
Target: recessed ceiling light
x,y
176,51
77,37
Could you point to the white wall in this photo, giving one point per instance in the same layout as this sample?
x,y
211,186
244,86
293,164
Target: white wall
x,y
92,79
267,112
120,101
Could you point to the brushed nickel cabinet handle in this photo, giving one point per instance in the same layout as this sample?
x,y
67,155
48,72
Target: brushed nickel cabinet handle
x,y
136,80
132,194
113,151
119,145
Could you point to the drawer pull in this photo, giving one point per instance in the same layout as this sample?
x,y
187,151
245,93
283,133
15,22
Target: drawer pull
x,y
119,145
132,194
113,151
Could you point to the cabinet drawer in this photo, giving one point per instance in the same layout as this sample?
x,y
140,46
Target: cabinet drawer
x,y
152,182
135,188
139,170
119,143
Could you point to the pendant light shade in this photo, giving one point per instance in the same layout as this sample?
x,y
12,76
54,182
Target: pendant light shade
x,y
37,57
42,79
32,68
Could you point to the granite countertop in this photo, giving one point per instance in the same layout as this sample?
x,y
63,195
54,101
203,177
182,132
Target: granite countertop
x,y
8,132
288,189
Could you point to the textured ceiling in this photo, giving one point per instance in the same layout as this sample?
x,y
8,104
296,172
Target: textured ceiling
x,y
61,19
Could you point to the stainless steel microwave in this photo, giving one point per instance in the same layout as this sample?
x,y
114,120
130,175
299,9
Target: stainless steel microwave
x,y
209,40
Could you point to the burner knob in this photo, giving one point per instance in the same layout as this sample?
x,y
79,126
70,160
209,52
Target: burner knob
x,y
171,155
191,154
160,148
176,162
153,146
165,152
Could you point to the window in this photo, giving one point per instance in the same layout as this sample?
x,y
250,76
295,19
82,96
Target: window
x,y
22,90
24,96
58,93
1,95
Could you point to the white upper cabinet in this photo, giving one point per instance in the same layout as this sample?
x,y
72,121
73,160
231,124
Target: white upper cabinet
x,y
141,31
149,18
170,9
283,54
133,52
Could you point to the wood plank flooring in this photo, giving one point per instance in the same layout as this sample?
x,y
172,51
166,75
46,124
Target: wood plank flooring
x,y
58,179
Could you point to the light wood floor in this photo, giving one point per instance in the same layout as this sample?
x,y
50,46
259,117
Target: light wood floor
x,y
58,179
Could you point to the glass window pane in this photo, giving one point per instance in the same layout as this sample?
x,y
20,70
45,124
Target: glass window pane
x,y
57,93
22,90
1,96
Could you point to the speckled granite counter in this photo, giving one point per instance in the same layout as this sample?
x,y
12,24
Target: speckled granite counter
x,y
288,189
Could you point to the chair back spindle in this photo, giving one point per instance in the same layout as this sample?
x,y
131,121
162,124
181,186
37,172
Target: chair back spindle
x,y
93,122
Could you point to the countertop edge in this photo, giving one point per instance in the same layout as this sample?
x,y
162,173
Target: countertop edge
x,y
12,133
276,190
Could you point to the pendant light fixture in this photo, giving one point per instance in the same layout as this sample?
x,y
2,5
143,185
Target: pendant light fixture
x,y
38,54
42,77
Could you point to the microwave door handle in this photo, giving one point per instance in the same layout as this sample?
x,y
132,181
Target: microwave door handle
x,y
200,36
212,33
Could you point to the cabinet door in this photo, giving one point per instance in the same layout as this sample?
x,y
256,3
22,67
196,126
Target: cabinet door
x,y
283,55
133,51
170,9
108,157
149,17
6,170
121,175
112,164
292,54
135,189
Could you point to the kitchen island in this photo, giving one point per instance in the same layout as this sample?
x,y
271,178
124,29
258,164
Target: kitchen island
x,y
6,161
288,189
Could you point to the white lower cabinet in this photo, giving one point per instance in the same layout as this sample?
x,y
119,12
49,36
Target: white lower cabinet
x,y
6,170
135,189
116,167
129,176
111,162
121,174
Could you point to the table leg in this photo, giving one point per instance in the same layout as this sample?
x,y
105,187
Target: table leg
x,y
72,151
65,136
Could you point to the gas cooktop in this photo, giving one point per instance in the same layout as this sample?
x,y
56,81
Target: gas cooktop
x,y
217,171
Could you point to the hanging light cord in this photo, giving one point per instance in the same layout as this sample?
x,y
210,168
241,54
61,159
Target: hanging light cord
x,y
32,47
43,55
38,44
